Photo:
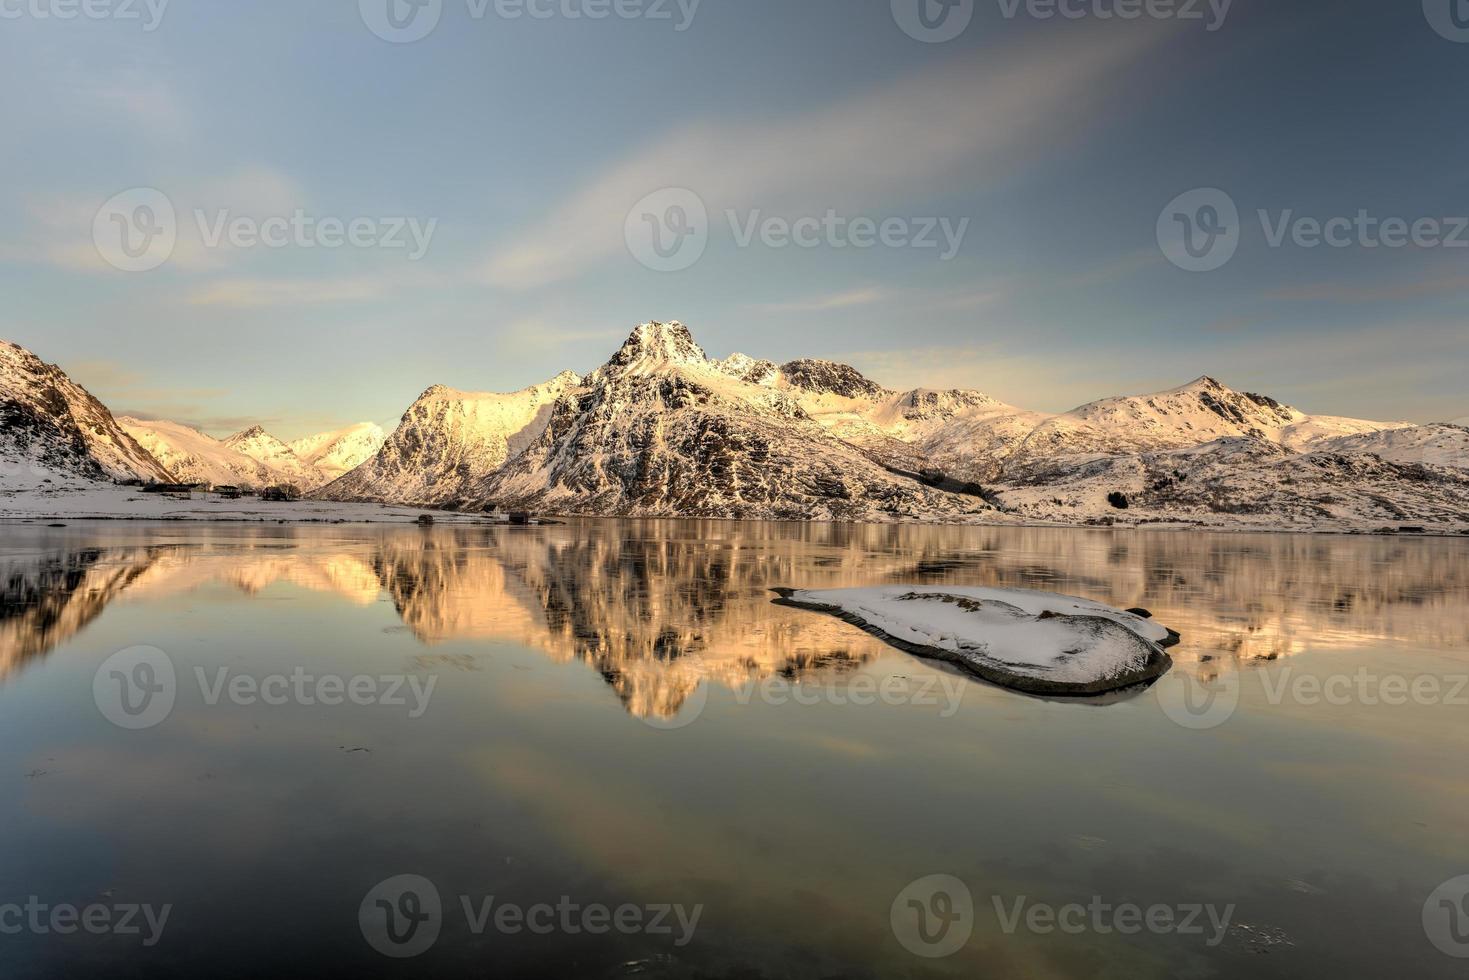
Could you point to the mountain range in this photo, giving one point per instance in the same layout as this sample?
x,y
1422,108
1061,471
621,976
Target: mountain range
x,y
663,430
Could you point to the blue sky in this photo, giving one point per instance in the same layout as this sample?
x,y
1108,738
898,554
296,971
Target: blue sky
x,y
527,141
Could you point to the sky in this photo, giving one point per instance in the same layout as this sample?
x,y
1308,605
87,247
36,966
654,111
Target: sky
x,y
997,200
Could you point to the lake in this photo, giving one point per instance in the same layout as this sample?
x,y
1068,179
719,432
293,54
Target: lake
x,y
598,749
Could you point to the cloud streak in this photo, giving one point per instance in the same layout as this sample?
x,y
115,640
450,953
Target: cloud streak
x,y
874,152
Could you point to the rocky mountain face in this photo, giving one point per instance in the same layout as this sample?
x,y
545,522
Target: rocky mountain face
x,y
49,420
332,454
194,457
450,440
662,430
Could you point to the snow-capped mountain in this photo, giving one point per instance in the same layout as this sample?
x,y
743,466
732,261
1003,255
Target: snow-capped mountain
x,y
333,453
195,457
283,464
50,421
448,440
1197,413
662,430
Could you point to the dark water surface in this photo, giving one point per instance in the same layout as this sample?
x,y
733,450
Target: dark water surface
x,y
613,716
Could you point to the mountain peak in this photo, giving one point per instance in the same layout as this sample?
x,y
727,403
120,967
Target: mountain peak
x,y
254,432
653,344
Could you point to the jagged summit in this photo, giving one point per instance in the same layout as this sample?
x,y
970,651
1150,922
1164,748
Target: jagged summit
x,y
244,435
655,345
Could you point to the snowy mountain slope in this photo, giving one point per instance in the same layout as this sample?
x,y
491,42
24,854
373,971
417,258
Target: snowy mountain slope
x,y
49,420
1244,481
1193,415
663,430
959,432
195,457
283,464
335,453
449,440
1438,444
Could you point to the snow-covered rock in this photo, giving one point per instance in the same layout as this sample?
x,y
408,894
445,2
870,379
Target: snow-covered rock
x,y
333,453
1037,642
49,421
450,440
195,457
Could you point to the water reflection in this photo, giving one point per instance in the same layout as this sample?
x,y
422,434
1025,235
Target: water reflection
x,y
659,608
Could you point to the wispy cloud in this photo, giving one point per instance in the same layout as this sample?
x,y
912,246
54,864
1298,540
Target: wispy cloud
x,y
835,301
246,293
981,117
1351,292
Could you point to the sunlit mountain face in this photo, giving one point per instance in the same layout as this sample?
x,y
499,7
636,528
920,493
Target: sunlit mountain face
x,y
659,608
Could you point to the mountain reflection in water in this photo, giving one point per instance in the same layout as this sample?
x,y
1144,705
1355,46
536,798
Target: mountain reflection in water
x,y
660,607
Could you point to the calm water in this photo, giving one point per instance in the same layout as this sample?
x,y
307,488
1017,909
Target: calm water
x,y
614,715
